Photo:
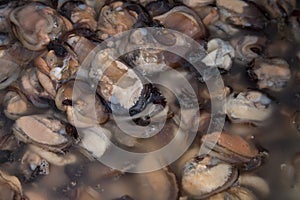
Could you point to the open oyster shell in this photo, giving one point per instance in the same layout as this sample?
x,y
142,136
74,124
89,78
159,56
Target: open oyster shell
x,y
206,176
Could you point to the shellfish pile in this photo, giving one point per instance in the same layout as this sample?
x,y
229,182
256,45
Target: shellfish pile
x,y
49,148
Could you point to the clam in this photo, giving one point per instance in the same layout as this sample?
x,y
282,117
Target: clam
x,y
5,8
16,105
248,47
149,60
115,82
234,193
32,89
203,177
57,68
81,46
94,142
221,29
36,24
197,3
248,107
44,131
52,158
9,72
82,107
162,182
219,53
47,84
277,9
119,84
32,166
184,20
233,149
116,17
255,183
241,13
80,14
272,74
10,187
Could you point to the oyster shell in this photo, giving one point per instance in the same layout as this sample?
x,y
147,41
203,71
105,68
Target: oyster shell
x,y
118,83
241,13
251,107
234,193
255,183
206,176
94,142
277,9
82,107
248,47
32,166
273,73
36,24
115,18
197,3
80,14
219,53
184,20
16,106
10,187
232,149
32,89
44,131
9,72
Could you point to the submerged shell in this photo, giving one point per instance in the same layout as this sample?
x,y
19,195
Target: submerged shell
x,y
203,178
10,187
115,18
42,130
118,83
219,54
94,141
35,24
197,3
16,106
234,193
82,107
80,14
184,20
232,149
9,72
248,47
241,13
273,73
250,107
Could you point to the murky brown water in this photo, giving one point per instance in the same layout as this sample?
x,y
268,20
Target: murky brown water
x,y
279,136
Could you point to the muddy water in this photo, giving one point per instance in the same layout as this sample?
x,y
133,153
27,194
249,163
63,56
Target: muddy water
x,y
279,136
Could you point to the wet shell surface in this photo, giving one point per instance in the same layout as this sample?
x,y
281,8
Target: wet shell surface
x,y
199,178
219,54
252,107
42,130
272,74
